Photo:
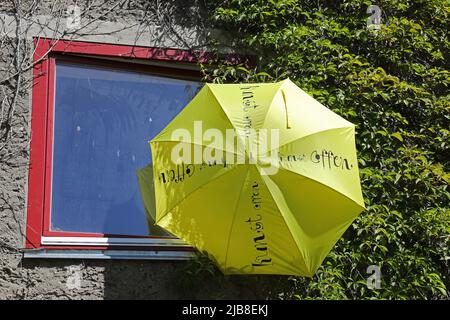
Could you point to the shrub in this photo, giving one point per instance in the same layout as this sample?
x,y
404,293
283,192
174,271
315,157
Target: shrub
x,y
393,84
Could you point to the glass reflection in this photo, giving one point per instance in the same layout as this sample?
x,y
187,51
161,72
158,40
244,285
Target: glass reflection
x,y
103,120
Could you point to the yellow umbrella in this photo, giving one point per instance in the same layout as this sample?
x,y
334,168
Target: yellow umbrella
x,y
261,176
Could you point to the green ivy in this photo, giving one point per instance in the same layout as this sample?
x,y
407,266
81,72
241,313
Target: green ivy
x,y
393,84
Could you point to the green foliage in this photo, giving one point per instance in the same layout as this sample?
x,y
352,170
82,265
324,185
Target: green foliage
x,y
393,84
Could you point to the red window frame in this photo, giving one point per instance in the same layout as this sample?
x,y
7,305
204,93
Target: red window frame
x,y
47,51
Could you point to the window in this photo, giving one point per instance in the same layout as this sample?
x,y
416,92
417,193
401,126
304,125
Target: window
x,y
94,109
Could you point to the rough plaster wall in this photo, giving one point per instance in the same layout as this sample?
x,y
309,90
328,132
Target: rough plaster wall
x,y
97,279
133,23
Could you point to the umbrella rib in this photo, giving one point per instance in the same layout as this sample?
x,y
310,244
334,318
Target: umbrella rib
x,y
187,195
286,109
234,217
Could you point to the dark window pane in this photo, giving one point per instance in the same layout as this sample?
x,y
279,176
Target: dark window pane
x,y
103,120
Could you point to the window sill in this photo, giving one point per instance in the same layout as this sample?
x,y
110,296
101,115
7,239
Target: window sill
x,y
111,248
110,242
108,254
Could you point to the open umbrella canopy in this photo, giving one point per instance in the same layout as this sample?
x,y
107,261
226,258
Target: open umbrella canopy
x,y
261,176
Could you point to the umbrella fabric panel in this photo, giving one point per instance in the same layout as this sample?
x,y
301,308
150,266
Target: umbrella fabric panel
x,y
316,214
176,181
296,114
147,190
208,224
246,105
260,241
202,114
328,157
